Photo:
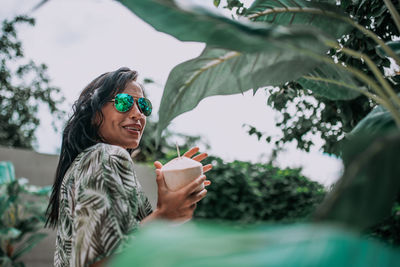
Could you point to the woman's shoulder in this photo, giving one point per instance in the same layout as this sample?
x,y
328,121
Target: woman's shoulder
x,y
103,154
107,149
102,161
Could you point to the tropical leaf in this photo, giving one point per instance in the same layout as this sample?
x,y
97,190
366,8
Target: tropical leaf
x,y
36,190
212,245
366,192
378,120
9,233
326,17
394,45
393,12
223,72
217,2
6,262
28,244
190,20
331,82
7,172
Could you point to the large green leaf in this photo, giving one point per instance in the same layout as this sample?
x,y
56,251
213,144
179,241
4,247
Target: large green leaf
x,y
370,183
331,82
9,233
394,45
223,72
198,245
378,120
324,16
190,20
7,172
36,190
6,262
28,244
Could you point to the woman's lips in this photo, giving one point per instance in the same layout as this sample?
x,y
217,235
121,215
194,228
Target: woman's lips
x,y
132,130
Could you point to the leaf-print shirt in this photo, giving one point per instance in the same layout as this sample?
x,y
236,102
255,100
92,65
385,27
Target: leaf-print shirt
x,y
101,203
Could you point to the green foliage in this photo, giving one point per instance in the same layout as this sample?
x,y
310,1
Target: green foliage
x,y
236,5
7,172
388,230
340,116
285,52
221,72
365,194
220,31
378,120
394,45
198,245
22,216
275,12
22,88
331,82
248,193
312,116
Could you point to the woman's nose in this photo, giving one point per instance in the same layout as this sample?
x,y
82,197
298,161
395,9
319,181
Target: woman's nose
x,y
135,111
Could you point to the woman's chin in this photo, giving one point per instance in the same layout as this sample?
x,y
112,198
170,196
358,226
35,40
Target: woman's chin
x,y
132,145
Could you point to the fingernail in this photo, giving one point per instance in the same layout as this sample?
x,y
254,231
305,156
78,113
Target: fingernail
x,y
206,183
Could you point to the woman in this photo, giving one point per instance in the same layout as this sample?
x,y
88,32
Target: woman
x,y
97,200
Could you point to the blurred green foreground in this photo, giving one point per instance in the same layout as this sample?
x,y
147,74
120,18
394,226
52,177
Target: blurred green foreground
x,y
206,244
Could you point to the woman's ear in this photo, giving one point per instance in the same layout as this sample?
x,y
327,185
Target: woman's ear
x,y
96,124
97,119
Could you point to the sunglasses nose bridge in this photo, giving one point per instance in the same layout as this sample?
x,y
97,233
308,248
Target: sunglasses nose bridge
x,y
135,110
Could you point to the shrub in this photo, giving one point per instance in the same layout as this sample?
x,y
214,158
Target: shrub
x,y
247,192
22,216
388,230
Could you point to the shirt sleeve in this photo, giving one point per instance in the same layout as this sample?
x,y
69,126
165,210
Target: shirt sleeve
x,y
107,202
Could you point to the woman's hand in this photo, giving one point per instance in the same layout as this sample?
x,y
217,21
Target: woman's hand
x,y
180,205
191,152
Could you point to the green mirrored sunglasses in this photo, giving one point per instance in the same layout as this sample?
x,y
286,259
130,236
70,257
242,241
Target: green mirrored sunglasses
x,y
124,102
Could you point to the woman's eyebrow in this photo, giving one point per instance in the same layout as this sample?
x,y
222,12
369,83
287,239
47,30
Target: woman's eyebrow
x,y
136,96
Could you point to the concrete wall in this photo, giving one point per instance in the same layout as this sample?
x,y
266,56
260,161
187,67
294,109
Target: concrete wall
x,y
39,169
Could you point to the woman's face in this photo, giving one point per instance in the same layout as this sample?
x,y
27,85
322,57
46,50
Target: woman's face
x,y
123,129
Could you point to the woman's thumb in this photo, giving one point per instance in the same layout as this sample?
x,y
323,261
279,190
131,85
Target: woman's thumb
x,y
160,178
158,173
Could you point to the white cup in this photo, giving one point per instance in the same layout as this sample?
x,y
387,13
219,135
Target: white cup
x,y
180,172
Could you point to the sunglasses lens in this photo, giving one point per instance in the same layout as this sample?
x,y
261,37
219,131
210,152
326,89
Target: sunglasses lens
x,y
145,106
123,102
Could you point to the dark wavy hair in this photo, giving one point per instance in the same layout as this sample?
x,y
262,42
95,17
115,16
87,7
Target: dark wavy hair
x,y
81,131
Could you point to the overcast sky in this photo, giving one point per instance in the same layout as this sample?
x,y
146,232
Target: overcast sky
x,y
80,39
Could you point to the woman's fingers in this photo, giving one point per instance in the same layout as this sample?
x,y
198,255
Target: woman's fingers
x,y
193,206
207,182
159,178
191,152
200,157
206,168
197,197
190,188
159,175
157,164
